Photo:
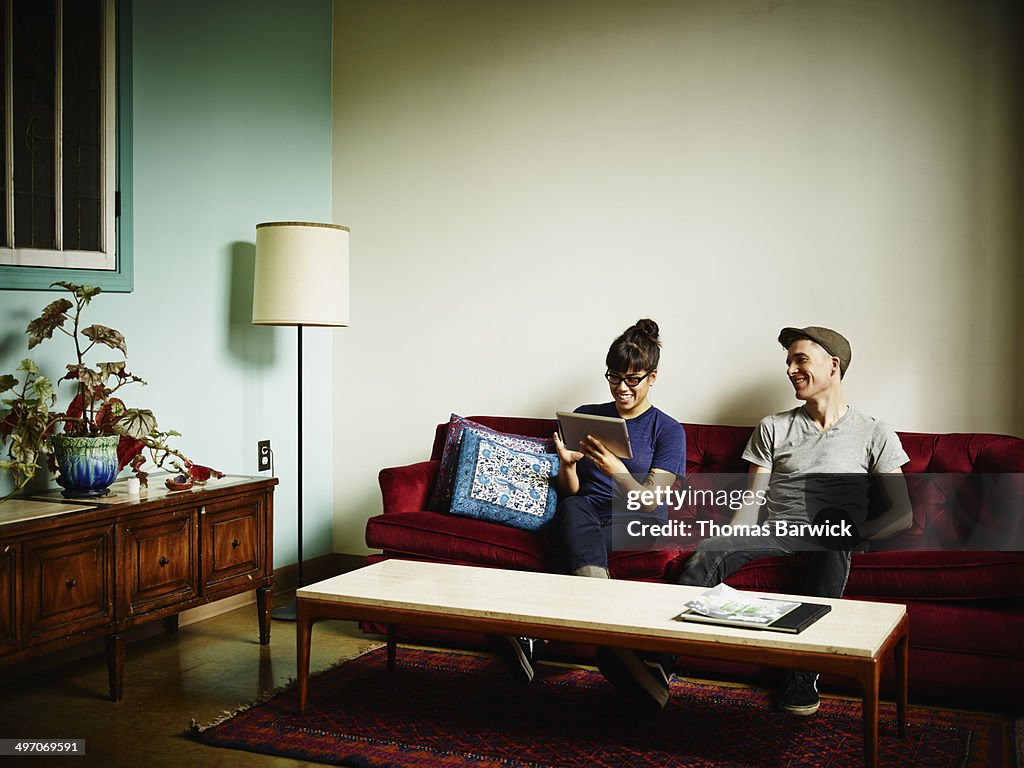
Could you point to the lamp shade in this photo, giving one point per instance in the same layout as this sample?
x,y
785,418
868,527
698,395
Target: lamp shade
x,y
301,274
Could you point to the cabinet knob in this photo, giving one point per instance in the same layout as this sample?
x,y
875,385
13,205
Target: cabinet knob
x,y
71,583
164,561
235,543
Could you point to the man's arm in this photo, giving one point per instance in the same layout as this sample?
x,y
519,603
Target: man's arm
x,y
898,515
757,482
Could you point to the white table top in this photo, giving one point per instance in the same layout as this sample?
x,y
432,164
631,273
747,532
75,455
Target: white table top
x,y
851,628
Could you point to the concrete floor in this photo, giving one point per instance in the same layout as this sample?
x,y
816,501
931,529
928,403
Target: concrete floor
x,y
203,670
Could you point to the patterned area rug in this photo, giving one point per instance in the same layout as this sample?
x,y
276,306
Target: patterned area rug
x,y
441,709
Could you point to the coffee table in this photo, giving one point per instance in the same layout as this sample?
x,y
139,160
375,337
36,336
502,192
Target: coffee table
x,y
853,640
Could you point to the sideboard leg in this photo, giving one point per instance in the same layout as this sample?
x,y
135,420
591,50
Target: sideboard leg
x,y
171,624
115,665
264,603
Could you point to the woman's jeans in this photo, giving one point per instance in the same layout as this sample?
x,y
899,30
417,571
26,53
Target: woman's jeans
x,y
588,531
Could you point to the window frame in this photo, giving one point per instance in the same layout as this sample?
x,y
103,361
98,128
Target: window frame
x,y
120,279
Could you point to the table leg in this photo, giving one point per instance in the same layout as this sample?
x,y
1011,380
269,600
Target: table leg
x,y
264,600
870,682
902,658
392,647
115,665
303,633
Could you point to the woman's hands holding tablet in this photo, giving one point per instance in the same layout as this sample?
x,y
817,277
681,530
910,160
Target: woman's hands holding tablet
x,y
593,449
566,456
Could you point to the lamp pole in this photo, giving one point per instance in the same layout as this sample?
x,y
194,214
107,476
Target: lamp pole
x,y
300,278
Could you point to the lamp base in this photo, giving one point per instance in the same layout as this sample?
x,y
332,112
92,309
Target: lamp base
x,y
285,612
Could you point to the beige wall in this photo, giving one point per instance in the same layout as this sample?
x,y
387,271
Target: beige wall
x,y
524,180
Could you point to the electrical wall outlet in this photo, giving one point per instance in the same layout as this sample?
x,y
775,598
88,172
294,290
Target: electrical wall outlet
x,y
263,458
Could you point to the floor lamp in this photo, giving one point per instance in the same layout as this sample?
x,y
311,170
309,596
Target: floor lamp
x,y
301,278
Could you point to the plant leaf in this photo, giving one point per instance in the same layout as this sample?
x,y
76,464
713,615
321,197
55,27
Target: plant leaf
x,y
7,381
87,292
52,318
92,381
136,422
108,414
101,334
128,450
43,388
28,365
201,473
83,292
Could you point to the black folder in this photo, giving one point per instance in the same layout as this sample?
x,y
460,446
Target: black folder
x,y
796,620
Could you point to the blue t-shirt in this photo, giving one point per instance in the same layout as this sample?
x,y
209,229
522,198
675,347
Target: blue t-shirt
x,y
658,442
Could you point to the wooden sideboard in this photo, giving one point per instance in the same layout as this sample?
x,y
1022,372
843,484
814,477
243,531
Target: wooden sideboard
x,y
77,571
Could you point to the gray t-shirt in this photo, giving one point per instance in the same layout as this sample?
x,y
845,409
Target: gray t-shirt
x,y
836,459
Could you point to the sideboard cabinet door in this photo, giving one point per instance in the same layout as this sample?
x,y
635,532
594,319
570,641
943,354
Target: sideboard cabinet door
x,y
69,582
234,544
160,560
9,636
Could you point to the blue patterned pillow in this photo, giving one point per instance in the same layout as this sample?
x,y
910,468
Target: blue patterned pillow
x,y
441,498
504,484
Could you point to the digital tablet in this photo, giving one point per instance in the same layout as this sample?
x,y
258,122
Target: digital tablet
x,y
611,431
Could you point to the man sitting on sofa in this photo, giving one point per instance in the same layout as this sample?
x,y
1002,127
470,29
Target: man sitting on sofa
x,y
829,440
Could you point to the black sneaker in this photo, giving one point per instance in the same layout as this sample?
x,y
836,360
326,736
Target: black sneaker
x,y
642,678
518,653
800,694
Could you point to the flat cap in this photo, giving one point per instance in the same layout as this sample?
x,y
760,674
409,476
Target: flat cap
x,y
831,341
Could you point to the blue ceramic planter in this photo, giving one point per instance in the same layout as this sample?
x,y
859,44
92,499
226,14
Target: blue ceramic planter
x,y
88,465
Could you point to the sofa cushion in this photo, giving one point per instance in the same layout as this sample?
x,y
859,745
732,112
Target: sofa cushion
x,y
440,500
451,539
650,565
504,484
897,576
937,576
457,539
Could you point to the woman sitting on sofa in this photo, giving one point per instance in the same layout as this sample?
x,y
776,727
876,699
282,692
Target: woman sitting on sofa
x,y
590,480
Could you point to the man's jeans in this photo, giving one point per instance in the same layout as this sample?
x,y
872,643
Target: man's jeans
x,y
587,530
718,557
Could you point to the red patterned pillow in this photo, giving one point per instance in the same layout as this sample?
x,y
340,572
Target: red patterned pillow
x,y
441,499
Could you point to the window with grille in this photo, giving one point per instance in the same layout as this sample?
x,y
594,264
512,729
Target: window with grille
x,y
60,135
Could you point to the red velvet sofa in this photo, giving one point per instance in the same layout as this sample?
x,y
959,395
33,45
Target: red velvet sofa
x,y
966,607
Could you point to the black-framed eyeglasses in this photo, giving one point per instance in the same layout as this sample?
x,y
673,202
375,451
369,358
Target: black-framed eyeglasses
x,y
631,380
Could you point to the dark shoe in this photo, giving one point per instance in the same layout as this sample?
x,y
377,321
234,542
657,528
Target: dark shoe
x,y
800,694
517,653
642,678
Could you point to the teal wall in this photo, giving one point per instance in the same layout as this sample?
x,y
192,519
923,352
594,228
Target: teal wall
x,y
232,126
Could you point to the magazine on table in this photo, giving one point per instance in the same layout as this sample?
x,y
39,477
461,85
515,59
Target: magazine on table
x,y
732,607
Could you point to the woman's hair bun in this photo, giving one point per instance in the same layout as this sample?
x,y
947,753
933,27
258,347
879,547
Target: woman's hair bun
x,y
648,328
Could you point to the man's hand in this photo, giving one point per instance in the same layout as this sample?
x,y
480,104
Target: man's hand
x,y
899,514
757,484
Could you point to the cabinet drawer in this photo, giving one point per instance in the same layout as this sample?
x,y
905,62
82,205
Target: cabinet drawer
x,y
234,544
9,635
69,583
161,561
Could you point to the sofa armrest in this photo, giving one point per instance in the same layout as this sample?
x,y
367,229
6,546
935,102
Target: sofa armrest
x,y
408,488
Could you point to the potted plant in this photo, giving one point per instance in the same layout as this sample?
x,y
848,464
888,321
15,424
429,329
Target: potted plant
x,y
100,435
